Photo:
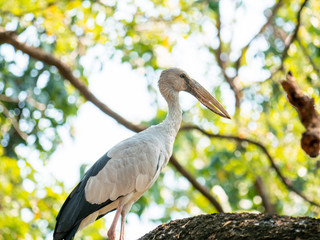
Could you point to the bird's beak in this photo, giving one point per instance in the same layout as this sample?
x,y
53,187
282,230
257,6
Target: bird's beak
x,y
206,98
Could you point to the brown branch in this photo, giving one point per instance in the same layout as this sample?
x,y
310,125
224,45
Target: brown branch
x,y
262,191
310,141
288,41
196,184
283,179
262,29
233,81
222,63
14,122
241,226
30,100
305,52
4,98
294,35
279,33
65,71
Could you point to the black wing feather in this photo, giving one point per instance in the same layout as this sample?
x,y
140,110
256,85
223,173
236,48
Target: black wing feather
x,y
76,208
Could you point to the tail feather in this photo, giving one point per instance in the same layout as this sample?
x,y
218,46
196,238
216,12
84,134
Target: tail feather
x,y
65,235
62,231
76,208
73,211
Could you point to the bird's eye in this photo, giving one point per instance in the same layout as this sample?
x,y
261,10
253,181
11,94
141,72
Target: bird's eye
x,y
182,75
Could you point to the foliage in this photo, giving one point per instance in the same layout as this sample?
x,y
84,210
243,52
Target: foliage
x,y
143,34
27,206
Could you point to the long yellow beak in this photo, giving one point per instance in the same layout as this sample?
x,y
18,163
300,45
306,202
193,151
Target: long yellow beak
x,y
206,98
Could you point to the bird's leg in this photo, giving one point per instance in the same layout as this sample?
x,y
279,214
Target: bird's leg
x,y
112,229
123,223
124,213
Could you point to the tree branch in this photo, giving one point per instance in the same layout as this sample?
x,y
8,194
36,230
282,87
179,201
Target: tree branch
x,y
294,35
222,63
30,100
262,191
4,98
195,184
288,41
283,179
305,52
262,29
237,226
310,141
65,71
14,122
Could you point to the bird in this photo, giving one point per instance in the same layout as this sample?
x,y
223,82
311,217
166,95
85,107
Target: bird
x,y
122,175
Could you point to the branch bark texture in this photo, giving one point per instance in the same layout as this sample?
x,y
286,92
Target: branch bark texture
x,y
235,226
310,141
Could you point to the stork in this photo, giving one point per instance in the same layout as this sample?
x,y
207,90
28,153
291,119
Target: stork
x,y
121,176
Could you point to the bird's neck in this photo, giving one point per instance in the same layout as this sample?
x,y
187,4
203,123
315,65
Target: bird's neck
x,y
174,116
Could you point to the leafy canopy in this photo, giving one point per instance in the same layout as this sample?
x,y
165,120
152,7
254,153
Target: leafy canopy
x,y
35,101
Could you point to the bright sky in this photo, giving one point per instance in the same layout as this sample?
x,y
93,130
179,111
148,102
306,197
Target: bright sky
x,y
124,91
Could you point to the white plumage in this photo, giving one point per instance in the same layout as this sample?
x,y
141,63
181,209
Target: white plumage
x,y
126,171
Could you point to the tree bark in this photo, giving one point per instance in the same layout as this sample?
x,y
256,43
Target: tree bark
x,y
228,226
310,141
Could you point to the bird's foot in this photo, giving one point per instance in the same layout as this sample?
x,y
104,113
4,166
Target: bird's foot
x,y
111,235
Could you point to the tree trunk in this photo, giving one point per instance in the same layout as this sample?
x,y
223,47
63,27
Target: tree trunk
x,y
238,226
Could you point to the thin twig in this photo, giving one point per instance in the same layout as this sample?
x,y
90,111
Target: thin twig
x,y
14,122
294,35
287,43
217,53
283,179
262,29
222,63
4,98
305,52
30,100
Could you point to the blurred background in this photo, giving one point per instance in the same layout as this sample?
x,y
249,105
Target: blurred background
x,y
239,50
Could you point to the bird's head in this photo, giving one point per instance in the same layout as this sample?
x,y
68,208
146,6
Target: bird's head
x,y
176,80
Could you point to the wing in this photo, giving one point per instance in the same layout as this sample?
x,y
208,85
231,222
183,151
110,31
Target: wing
x,y
131,166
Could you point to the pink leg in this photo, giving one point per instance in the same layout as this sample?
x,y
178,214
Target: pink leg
x,y
124,213
112,230
123,223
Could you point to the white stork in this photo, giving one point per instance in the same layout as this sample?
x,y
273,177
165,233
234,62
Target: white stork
x,y
121,176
